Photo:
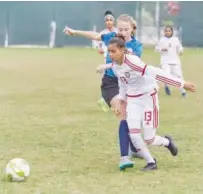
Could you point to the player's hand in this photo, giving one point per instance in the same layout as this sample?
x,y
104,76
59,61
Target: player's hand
x,y
102,68
180,53
120,109
117,111
164,49
69,31
101,51
189,86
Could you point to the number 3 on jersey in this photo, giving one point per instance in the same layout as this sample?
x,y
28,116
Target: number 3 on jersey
x,y
124,80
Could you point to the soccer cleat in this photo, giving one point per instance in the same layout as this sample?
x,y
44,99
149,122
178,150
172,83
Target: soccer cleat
x,y
172,147
150,166
103,105
184,95
167,91
125,162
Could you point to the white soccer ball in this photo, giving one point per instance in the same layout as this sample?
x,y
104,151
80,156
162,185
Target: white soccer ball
x,y
17,170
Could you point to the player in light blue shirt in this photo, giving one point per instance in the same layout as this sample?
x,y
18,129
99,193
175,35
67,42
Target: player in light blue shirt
x,y
109,20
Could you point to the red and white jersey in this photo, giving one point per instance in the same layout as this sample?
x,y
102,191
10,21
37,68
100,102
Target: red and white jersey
x,y
174,48
101,44
135,78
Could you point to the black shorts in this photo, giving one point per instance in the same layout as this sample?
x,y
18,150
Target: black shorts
x,y
109,88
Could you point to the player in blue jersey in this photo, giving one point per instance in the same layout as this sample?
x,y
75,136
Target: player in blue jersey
x,y
109,86
109,20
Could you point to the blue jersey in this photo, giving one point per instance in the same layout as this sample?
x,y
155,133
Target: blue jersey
x,y
133,46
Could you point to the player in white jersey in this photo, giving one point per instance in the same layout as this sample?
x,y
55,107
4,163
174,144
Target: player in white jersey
x,y
109,88
170,48
138,86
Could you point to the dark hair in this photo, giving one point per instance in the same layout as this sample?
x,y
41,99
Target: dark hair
x,y
119,40
170,27
108,13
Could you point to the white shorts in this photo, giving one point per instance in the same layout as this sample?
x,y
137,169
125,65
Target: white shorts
x,y
143,111
173,69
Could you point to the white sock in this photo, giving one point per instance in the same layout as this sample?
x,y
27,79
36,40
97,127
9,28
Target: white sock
x,y
160,141
182,90
139,143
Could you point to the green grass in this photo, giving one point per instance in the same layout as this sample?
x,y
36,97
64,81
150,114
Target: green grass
x,y
49,116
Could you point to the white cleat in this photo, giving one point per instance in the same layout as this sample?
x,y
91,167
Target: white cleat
x,y
125,162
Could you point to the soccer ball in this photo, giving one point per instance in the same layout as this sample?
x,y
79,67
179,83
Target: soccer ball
x,y
17,170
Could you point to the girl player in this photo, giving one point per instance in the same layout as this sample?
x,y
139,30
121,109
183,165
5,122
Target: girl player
x,y
102,48
110,27
170,48
137,86
109,87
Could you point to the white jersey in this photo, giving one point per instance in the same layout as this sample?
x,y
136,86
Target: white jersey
x,y
135,78
174,48
101,44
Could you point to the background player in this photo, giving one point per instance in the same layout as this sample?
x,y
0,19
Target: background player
x,y
137,85
110,27
109,20
170,48
109,87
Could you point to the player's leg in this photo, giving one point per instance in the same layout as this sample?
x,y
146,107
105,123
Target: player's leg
x,y
134,119
167,69
103,105
133,153
101,102
110,90
151,123
124,139
177,71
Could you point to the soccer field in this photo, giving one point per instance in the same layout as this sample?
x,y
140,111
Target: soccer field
x,y
49,116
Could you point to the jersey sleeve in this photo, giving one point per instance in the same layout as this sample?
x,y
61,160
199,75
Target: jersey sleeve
x,y
100,44
179,47
138,49
136,64
142,69
163,77
159,46
107,37
122,87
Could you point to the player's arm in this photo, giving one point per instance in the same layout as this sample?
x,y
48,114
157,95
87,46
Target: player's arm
x,y
87,34
166,78
179,47
102,48
122,91
103,67
160,47
120,108
122,87
139,49
163,77
148,70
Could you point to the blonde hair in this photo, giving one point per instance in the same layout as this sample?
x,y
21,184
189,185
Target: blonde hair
x,y
127,18
134,23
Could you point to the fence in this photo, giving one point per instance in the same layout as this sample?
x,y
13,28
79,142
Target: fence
x,y
31,23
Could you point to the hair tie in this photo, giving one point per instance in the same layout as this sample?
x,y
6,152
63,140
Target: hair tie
x,y
109,15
